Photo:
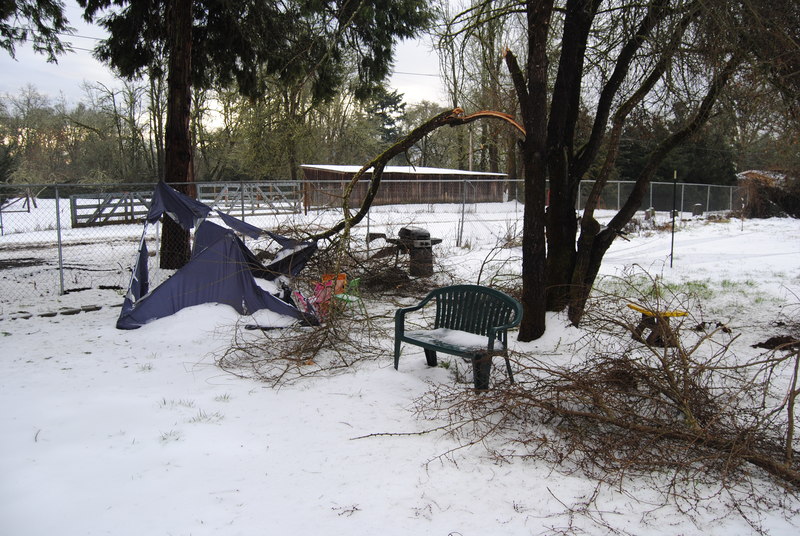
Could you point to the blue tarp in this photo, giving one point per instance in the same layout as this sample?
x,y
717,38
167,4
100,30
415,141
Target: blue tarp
x,y
207,233
240,226
289,261
181,208
221,270
139,282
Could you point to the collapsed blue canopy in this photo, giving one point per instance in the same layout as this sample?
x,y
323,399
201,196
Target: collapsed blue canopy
x,y
218,274
221,269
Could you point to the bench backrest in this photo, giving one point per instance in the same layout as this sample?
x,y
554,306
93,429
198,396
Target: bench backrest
x,y
474,309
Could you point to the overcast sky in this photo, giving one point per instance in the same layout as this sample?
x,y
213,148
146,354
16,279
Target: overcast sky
x,y
416,67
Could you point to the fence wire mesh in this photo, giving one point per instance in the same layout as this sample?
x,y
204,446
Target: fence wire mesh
x,y
57,240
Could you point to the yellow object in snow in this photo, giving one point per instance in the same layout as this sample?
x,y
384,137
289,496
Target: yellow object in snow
x,y
662,314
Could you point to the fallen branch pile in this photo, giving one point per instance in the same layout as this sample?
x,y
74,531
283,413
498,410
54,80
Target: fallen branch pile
x,y
691,418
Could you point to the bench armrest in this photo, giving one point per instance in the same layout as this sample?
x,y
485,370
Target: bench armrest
x,y
400,315
493,331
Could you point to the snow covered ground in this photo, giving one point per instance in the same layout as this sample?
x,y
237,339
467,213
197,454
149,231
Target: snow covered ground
x,y
139,433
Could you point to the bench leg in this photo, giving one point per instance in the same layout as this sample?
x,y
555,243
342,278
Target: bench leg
x,y
481,370
396,352
430,357
508,369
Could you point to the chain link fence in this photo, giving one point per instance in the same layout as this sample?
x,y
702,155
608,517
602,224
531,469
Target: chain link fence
x,y
663,196
57,240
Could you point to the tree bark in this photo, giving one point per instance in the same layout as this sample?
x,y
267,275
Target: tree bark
x,y
586,259
566,167
562,225
175,246
532,96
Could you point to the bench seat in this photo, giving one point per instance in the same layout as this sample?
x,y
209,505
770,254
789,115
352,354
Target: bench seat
x,y
452,341
469,321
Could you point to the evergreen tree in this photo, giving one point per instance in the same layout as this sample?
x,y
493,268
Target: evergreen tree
x,y
8,161
238,43
37,21
387,108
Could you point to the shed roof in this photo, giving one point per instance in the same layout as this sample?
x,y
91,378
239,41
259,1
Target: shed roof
x,y
405,169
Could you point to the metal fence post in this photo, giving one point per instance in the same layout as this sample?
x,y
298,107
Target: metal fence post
x,y
241,189
463,209
683,190
60,246
730,199
674,198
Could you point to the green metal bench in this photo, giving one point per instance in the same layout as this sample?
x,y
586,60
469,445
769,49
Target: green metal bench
x,y
470,321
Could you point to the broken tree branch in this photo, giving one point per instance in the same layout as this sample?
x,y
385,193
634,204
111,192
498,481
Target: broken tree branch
x,y
454,117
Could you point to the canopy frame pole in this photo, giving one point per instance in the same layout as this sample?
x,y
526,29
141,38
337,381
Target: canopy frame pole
x,y
138,258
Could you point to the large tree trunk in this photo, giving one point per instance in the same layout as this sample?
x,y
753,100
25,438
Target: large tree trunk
x,y
532,97
561,222
533,244
593,242
567,265
175,246
562,228
566,167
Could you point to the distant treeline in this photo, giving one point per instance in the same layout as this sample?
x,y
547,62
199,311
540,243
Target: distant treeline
x,y
115,135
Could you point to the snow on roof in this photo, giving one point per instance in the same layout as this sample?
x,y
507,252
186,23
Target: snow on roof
x,y
404,169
